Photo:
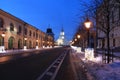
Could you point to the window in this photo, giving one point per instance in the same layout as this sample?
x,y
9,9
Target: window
x,y
20,29
11,27
1,23
30,33
34,34
25,31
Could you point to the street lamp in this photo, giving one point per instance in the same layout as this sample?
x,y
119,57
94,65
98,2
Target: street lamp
x,y
43,44
25,44
78,36
87,24
36,44
75,39
3,35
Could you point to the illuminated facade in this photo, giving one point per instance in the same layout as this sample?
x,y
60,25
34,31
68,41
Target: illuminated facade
x,y
19,34
61,39
49,39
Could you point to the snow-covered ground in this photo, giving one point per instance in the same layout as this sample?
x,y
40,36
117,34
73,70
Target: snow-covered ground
x,y
101,71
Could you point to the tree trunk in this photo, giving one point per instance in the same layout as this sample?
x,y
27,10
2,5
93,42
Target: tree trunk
x,y
108,48
108,29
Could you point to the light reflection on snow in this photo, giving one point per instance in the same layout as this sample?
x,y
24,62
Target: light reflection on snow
x,y
100,70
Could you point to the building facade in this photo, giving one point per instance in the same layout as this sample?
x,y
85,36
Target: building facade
x,y
108,20
61,40
17,34
50,37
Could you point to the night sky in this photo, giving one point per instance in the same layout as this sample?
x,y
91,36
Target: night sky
x,y
42,13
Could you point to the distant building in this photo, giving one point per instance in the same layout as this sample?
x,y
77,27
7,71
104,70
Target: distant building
x,y
61,40
49,38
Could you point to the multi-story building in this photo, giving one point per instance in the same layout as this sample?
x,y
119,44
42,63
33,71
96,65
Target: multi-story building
x,y
17,34
108,21
50,40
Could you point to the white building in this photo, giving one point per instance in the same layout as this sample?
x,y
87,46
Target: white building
x,y
61,40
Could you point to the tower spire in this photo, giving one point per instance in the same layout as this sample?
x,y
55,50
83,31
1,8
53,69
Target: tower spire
x,y
62,29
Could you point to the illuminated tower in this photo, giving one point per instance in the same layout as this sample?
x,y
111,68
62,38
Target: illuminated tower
x,y
61,39
62,34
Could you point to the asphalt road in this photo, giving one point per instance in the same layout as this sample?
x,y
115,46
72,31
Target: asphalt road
x,y
27,66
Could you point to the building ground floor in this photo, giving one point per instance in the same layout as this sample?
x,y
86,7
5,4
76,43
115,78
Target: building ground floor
x,y
19,43
113,42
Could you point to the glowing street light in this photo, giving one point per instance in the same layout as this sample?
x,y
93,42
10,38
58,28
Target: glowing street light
x,y
78,36
25,38
3,34
87,24
25,43
37,44
75,39
3,47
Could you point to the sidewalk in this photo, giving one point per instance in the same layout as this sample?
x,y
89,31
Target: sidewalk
x,y
99,70
115,54
79,67
11,52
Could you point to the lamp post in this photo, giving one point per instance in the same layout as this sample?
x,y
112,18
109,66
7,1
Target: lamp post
x,y
75,39
43,45
78,36
3,35
25,44
87,24
37,44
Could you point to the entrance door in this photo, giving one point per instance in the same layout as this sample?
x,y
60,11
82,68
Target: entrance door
x,y
11,43
19,44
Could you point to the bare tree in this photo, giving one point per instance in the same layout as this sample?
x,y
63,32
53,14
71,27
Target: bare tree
x,y
101,11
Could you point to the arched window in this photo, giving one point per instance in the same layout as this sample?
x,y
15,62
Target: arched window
x,y
0,40
20,44
11,43
11,27
1,23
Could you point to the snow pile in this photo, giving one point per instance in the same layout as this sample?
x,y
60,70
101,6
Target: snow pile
x,y
104,71
101,71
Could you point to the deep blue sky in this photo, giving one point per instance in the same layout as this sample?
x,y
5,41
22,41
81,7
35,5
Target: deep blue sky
x,y
41,13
